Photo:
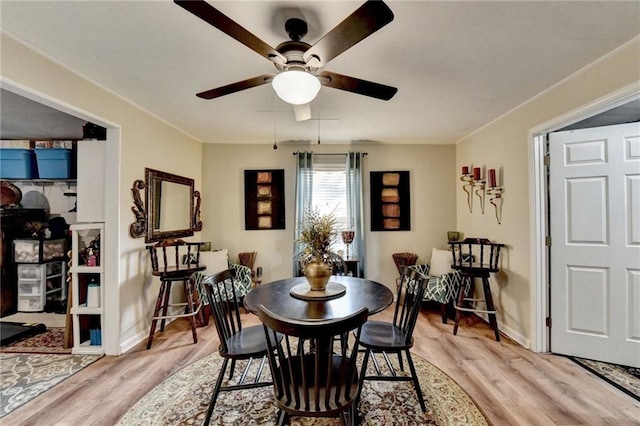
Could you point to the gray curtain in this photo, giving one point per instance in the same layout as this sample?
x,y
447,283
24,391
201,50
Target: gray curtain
x,y
355,184
304,185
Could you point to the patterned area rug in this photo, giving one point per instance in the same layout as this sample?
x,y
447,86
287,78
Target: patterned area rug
x,y
627,379
183,398
25,376
49,342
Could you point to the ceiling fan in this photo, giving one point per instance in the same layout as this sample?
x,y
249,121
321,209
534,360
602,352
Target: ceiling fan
x,y
298,62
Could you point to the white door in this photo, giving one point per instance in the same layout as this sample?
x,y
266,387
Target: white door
x,y
595,251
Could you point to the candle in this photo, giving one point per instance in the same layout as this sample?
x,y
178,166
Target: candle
x,y
476,173
492,178
465,170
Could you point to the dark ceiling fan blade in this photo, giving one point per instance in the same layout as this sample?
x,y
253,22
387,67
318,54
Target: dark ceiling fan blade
x,y
213,16
366,20
236,87
356,85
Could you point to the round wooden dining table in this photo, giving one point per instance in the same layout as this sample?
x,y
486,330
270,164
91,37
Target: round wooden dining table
x,y
276,296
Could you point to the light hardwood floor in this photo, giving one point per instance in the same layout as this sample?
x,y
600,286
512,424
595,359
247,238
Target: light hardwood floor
x,y
512,385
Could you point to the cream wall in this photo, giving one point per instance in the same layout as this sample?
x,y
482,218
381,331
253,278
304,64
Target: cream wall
x,y
145,141
505,145
433,195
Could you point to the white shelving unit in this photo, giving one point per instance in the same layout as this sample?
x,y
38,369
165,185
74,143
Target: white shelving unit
x,y
87,339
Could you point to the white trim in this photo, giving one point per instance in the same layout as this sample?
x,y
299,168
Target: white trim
x,y
51,102
538,190
539,258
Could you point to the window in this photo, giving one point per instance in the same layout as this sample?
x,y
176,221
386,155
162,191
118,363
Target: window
x,y
329,190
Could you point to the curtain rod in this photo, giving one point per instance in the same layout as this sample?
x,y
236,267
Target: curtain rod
x,y
336,153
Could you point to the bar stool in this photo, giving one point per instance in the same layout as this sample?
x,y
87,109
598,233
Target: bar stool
x,y
476,258
179,261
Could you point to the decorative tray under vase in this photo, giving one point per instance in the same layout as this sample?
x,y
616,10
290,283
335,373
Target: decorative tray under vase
x,y
333,290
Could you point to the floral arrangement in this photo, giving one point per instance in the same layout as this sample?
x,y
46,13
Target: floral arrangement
x,y
317,235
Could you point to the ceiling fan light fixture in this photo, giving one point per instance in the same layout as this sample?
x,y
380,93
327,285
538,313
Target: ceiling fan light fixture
x,y
296,87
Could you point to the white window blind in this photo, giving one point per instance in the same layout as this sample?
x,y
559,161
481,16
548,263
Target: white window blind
x,y
330,190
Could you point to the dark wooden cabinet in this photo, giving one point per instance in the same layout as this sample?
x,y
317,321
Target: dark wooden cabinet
x,y
13,225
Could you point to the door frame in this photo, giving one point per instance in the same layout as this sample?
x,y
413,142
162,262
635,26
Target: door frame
x,y
538,191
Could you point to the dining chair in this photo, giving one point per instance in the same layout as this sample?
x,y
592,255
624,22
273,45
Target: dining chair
x,y
337,263
236,342
313,374
380,337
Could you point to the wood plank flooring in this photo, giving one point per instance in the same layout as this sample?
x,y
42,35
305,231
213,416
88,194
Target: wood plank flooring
x,y
512,385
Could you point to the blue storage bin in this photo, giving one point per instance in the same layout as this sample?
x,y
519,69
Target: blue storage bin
x,y
18,163
54,163
95,337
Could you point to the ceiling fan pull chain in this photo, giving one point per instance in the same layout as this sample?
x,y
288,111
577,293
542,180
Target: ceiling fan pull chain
x,y
318,118
275,120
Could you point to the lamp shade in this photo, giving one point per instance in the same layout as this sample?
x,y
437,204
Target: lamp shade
x,y
296,87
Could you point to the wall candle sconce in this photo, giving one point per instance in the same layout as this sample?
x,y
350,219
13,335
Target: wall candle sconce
x,y
467,186
480,185
471,181
495,194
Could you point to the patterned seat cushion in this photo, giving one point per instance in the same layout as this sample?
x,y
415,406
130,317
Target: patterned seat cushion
x,y
441,289
242,282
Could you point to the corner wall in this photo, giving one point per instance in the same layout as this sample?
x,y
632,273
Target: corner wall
x,y
505,145
433,191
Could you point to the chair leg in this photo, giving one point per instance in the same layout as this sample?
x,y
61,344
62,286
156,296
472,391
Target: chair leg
x,y
282,418
154,322
363,369
400,363
216,391
443,312
233,368
416,382
192,318
461,296
492,311
165,306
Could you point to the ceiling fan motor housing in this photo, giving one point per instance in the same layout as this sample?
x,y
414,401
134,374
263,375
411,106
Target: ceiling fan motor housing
x,y
296,28
293,51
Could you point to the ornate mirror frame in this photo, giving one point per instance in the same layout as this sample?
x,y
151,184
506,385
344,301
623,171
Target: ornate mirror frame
x,y
146,212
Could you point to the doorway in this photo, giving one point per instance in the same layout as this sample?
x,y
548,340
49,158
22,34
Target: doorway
x,y
540,228
111,240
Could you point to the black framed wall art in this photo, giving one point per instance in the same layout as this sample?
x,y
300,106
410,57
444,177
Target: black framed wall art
x,y
390,201
264,199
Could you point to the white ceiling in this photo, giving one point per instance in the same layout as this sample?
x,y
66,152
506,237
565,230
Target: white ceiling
x,y
457,65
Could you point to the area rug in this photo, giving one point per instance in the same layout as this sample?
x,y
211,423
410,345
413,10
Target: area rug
x,y
627,379
183,398
25,376
13,331
49,342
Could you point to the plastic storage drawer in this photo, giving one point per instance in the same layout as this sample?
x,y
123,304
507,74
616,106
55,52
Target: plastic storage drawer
x,y
38,251
29,272
31,303
29,288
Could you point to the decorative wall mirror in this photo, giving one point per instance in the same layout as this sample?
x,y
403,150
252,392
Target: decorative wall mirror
x,y
171,208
